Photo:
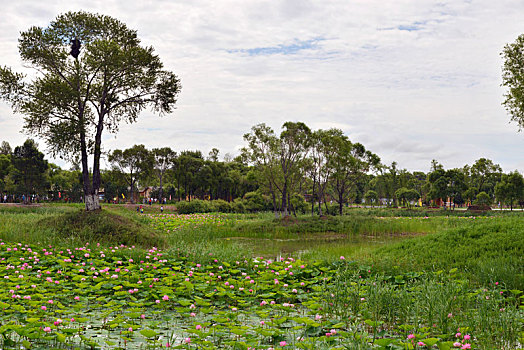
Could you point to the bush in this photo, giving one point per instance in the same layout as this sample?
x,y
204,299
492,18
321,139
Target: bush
x,y
221,206
238,206
194,206
254,201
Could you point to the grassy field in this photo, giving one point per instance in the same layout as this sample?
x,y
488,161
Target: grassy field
x,y
370,279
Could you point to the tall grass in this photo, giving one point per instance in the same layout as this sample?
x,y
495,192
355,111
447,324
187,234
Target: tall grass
x,y
490,251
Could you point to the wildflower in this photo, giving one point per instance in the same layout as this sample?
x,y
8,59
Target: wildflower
x,y
421,344
466,346
342,257
198,327
187,340
283,343
467,337
47,329
411,336
165,297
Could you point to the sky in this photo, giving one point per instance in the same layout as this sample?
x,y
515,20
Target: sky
x,y
412,80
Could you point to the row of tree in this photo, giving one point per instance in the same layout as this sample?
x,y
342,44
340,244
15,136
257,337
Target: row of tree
x,y
281,171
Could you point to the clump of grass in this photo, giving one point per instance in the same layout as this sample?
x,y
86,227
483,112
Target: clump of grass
x,y
102,226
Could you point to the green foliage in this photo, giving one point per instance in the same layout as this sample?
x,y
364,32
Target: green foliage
x,y
29,169
102,226
483,199
513,80
496,243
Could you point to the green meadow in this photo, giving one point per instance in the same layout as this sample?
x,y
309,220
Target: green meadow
x,y
371,279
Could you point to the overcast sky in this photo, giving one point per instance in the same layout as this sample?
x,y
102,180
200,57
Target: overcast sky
x,y
412,80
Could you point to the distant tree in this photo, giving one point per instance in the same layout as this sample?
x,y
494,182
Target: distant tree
x,y
5,148
352,163
485,174
293,146
483,199
513,80
324,151
510,189
470,194
187,168
65,183
163,160
135,163
29,169
213,155
371,197
5,169
76,94
262,152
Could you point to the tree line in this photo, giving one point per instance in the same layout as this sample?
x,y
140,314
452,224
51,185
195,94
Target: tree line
x,y
298,169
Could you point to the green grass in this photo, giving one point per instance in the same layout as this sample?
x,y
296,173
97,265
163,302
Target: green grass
x,y
488,251
69,225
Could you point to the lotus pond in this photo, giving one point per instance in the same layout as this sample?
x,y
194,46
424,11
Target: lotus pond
x,y
120,297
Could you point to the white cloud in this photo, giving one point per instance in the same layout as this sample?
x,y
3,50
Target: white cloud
x,y
412,80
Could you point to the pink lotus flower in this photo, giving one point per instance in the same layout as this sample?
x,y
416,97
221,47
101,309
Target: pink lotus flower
x,y
283,343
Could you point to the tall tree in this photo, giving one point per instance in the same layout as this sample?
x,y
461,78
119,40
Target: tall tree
x,y
262,152
352,163
163,161
29,169
513,80
135,163
324,151
92,73
510,188
292,150
485,174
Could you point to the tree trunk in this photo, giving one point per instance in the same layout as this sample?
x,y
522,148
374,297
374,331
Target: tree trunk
x,y
284,200
92,202
160,191
313,197
273,197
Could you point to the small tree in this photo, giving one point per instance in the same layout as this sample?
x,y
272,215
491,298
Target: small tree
x,y
371,197
483,199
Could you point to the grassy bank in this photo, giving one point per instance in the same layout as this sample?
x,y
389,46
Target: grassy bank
x,y
70,225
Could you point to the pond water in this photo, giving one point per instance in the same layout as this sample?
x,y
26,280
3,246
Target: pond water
x,y
299,246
